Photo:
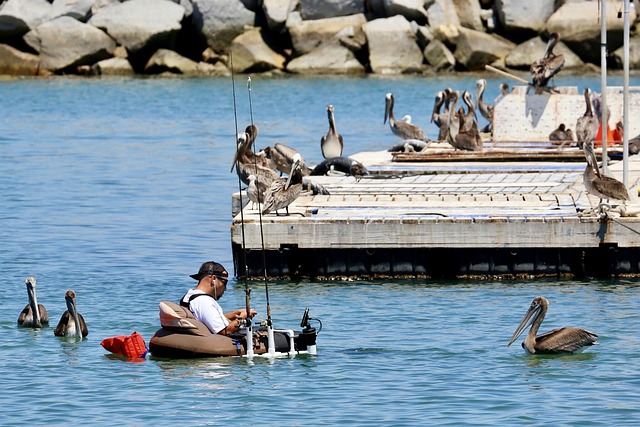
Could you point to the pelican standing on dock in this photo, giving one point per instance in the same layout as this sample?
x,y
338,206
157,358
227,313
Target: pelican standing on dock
x,y
467,139
470,117
71,323
545,68
248,163
283,191
561,136
34,315
332,144
453,126
486,110
600,185
403,129
282,157
558,341
587,125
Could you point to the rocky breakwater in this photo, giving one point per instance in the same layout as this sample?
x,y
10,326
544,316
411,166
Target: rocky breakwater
x,y
196,37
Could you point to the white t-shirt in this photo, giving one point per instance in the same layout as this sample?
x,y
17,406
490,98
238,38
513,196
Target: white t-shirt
x,y
207,310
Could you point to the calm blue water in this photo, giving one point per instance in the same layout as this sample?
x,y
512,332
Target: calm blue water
x,y
119,189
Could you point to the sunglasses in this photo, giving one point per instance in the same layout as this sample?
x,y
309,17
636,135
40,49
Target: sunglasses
x,y
222,278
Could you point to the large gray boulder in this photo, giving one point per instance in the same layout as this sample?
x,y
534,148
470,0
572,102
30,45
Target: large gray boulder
x,y
277,11
617,57
17,63
168,61
112,67
77,9
307,35
330,58
17,17
393,48
141,24
524,16
444,21
413,10
578,26
525,53
221,21
439,56
252,54
66,42
320,9
476,49
469,12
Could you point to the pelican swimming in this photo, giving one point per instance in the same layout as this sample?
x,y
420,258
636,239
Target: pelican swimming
x,y
332,144
597,184
71,323
344,165
283,191
587,125
558,341
486,110
34,315
543,69
403,129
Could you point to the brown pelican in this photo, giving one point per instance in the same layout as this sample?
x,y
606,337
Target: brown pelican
x,y
470,117
283,191
558,341
256,197
452,125
331,144
562,135
71,323
467,138
441,119
282,157
600,185
34,315
486,110
248,163
587,125
403,129
543,69
345,165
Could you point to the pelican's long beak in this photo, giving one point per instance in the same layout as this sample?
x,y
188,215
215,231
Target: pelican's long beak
x,y
294,166
71,306
531,315
33,302
386,110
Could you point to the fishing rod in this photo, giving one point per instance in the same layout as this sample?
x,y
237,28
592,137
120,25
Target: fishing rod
x,y
264,257
247,291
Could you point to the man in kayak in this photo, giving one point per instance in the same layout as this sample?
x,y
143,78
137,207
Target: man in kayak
x,y
203,300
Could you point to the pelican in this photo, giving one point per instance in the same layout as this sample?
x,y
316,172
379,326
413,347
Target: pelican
x,y
634,145
562,135
409,145
587,125
504,91
34,315
345,165
600,185
470,117
486,110
558,341
543,69
282,157
403,129
331,144
452,125
248,163
467,139
256,197
283,191
71,323
441,118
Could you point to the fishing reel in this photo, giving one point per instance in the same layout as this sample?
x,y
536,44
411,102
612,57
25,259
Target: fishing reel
x,y
304,323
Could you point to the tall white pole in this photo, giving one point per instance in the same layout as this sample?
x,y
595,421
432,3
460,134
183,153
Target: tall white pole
x,y
603,83
625,107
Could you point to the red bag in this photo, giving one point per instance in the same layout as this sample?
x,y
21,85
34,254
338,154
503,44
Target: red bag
x,y
132,346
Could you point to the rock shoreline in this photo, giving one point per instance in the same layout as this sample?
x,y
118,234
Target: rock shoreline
x,y
348,37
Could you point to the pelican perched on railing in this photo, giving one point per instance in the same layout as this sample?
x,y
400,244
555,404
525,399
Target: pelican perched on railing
x,y
332,144
34,315
486,110
543,69
587,125
71,323
403,129
598,184
558,341
283,191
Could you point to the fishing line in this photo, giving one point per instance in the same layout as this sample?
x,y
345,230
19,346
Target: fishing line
x,y
264,256
247,291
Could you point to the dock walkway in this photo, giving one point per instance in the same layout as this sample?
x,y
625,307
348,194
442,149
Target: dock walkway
x,y
442,219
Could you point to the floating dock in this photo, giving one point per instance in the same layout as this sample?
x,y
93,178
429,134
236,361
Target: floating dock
x,y
514,210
